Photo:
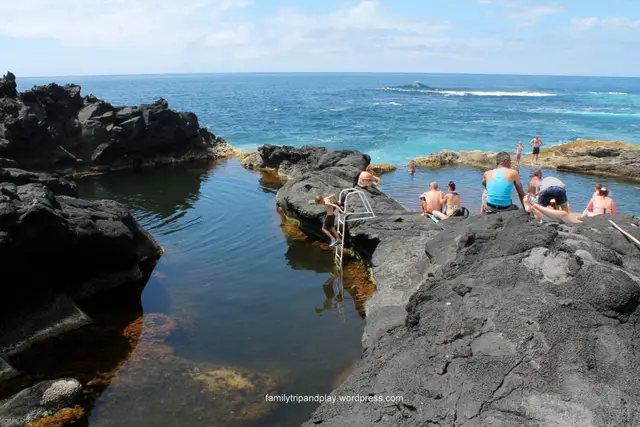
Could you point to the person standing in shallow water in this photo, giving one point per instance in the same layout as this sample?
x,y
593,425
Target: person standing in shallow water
x,y
499,183
535,143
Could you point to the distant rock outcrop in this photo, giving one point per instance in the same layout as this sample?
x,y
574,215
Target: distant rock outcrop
x,y
489,320
606,158
53,127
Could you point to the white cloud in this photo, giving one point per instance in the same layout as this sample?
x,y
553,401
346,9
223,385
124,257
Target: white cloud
x,y
522,13
582,24
113,22
363,27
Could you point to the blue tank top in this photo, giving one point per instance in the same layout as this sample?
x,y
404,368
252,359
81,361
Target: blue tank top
x,y
499,189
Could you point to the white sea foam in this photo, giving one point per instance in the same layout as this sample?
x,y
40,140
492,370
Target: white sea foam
x,y
587,112
608,93
470,92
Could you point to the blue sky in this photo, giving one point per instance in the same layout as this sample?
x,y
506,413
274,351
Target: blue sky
x,y
86,37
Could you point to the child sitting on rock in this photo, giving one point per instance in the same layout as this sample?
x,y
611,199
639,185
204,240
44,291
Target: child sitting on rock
x,y
329,221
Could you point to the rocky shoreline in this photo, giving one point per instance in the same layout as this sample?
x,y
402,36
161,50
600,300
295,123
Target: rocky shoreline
x,y
60,254
489,320
605,158
53,128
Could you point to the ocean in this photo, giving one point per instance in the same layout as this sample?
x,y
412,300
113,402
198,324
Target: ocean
x,y
254,302
381,114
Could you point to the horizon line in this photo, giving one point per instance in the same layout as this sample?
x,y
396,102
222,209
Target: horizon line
x,y
316,72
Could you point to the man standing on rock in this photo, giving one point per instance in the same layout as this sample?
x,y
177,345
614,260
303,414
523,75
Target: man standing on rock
x,y
535,143
431,199
499,183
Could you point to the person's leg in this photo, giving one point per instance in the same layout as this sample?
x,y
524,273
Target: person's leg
x,y
335,233
556,214
561,199
327,227
328,234
439,215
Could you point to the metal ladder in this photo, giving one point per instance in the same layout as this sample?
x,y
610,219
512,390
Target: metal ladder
x,y
342,219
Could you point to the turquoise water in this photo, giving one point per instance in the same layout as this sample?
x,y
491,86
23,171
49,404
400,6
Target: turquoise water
x,y
375,114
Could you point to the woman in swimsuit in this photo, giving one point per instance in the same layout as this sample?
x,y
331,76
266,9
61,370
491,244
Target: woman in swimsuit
x,y
601,203
451,199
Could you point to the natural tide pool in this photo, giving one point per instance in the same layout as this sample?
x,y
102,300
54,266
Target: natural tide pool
x,y
237,307
406,188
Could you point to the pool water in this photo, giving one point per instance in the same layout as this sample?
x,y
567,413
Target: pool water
x,y
237,307
406,188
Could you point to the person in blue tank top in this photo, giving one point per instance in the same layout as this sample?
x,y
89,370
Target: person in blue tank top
x,y
499,183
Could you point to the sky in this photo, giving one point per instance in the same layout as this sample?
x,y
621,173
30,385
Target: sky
x,y
103,37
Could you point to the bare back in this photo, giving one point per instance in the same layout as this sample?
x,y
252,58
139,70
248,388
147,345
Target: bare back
x,y
432,197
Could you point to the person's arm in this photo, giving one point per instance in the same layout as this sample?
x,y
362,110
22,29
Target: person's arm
x,y
613,206
336,207
484,179
519,188
590,206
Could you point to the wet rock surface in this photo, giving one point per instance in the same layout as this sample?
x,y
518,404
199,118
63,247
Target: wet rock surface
x,y
39,400
606,158
56,249
489,320
53,127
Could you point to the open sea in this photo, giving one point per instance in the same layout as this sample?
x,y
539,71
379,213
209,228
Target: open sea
x,y
255,309
381,114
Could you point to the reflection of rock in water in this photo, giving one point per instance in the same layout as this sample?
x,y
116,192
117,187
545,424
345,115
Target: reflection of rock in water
x,y
356,280
337,381
157,388
179,189
270,181
307,254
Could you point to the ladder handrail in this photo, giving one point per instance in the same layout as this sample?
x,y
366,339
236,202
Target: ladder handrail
x,y
347,216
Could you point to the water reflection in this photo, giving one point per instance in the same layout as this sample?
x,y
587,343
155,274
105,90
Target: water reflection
x,y
244,313
158,197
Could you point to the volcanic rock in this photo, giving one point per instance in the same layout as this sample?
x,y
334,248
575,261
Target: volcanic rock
x,y
488,320
53,127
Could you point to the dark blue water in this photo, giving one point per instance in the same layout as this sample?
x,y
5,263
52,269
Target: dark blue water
x,y
370,113
246,298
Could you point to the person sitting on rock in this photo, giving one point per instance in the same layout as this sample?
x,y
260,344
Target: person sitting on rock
x,y
367,180
451,200
499,182
329,221
431,200
552,188
601,203
537,177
